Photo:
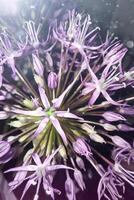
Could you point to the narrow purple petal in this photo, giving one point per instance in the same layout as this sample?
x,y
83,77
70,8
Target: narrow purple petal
x,y
105,71
94,97
36,158
41,126
50,157
18,179
56,167
44,98
89,87
22,168
37,113
29,183
67,114
108,98
39,68
57,126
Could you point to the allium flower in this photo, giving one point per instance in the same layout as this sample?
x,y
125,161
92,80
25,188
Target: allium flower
x,y
124,152
63,105
41,173
10,52
110,185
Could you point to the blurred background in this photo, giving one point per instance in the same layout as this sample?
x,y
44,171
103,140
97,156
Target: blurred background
x,y
116,16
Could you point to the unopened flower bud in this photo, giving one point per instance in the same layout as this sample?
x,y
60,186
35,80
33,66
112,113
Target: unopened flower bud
x,y
124,127
80,163
16,124
109,127
127,110
112,117
97,138
79,179
81,147
39,68
92,133
28,103
88,128
52,80
120,142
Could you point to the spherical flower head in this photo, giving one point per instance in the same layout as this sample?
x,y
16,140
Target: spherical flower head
x,y
63,107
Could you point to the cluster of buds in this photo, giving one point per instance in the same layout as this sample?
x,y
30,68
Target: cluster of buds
x,y
65,107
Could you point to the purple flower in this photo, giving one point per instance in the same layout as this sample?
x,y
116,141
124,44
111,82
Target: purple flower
x,y
32,38
113,51
32,32
124,153
9,51
125,174
110,185
76,33
102,85
51,102
50,115
40,173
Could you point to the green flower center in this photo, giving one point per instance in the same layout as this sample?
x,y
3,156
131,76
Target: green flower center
x,y
50,112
